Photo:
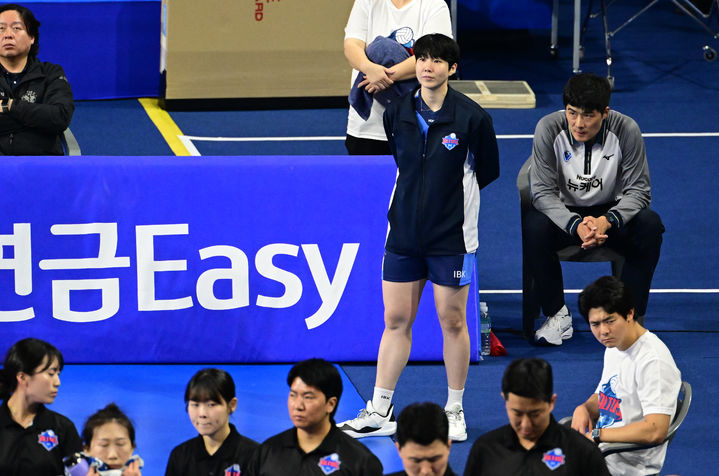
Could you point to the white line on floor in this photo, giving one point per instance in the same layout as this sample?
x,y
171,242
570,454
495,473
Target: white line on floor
x,y
189,139
577,291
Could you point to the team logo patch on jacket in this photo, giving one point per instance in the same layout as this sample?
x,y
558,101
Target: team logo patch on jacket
x,y
329,464
233,470
48,439
450,141
29,96
553,458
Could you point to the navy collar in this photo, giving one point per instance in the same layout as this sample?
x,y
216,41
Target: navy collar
x,y
14,79
444,115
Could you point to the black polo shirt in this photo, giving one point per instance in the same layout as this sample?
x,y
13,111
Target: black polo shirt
x,y
449,472
338,455
559,451
39,449
192,459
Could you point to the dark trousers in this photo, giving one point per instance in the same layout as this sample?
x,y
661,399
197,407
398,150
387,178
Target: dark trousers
x,y
360,146
639,241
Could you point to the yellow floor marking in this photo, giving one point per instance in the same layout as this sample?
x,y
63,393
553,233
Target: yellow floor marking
x,y
165,125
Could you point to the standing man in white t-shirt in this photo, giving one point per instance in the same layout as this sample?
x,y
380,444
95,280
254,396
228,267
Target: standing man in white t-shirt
x,y
403,20
636,398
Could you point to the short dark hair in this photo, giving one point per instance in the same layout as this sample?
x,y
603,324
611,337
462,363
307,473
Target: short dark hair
x,y
210,385
25,356
438,46
588,92
529,378
31,24
608,293
422,423
320,374
111,413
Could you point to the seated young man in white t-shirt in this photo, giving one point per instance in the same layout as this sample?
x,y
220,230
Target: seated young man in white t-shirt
x,y
636,398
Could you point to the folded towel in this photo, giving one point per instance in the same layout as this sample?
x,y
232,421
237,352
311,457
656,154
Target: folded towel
x,y
387,52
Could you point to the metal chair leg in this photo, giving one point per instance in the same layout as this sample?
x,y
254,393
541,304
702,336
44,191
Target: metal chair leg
x,y
607,44
554,46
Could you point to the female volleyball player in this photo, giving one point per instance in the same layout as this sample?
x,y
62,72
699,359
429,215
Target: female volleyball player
x,y
445,149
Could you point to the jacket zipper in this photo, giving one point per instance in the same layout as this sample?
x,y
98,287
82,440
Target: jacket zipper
x,y
423,160
588,158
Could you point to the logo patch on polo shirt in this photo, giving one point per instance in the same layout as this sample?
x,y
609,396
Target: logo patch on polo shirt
x,y
48,439
567,155
233,470
553,459
329,464
450,141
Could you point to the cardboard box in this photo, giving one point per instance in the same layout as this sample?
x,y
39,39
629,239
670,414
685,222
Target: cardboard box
x,y
254,48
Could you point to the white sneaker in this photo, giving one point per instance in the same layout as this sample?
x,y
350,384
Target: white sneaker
x,y
457,425
370,423
556,328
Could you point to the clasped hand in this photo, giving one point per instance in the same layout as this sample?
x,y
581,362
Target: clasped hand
x,y
593,231
377,78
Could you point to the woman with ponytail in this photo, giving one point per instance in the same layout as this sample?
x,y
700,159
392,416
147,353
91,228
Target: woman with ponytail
x,y
33,439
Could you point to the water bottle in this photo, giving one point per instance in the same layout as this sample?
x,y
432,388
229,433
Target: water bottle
x,y
485,325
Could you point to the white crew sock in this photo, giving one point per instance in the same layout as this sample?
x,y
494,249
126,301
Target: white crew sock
x,y
454,398
381,400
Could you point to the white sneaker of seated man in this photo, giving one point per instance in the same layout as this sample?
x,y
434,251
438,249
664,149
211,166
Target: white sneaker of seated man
x,y
457,425
556,328
370,423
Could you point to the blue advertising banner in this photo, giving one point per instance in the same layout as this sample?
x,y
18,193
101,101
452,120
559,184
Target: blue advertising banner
x,y
217,259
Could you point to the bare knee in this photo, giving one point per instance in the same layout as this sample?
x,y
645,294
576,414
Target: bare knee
x,y
453,321
397,321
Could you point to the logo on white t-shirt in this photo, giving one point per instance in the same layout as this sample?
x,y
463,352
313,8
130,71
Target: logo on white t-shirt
x,y
610,406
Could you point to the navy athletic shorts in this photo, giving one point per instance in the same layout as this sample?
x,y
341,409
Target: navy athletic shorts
x,y
453,270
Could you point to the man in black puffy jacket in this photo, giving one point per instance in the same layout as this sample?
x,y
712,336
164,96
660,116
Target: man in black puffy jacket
x,y
36,100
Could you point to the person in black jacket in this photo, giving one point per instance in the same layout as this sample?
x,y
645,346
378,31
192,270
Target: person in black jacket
x,y
33,439
36,102
445,149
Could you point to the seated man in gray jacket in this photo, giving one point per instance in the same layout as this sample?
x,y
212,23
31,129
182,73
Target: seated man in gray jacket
x,y
590,186
35,98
